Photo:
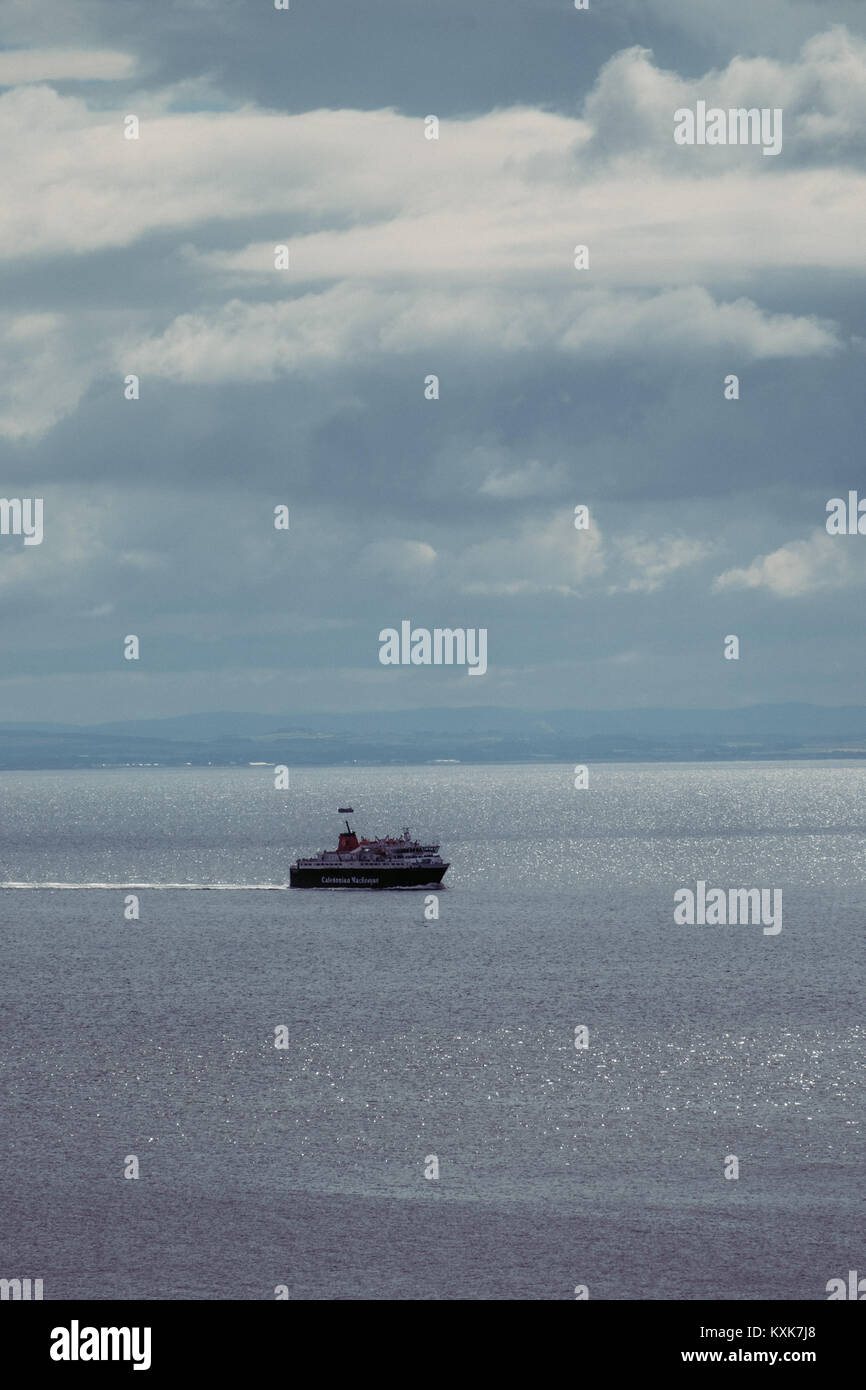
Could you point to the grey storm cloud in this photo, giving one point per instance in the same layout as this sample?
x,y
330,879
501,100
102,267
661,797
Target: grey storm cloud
x,y
409,257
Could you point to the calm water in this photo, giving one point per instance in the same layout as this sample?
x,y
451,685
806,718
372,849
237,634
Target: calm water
x,y
408,1038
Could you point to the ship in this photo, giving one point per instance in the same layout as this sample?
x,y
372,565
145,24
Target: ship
x,y
385,863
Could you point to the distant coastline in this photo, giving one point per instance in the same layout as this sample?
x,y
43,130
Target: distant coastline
x,y
757,733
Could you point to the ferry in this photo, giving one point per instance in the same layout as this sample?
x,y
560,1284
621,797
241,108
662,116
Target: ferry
x,y
385,863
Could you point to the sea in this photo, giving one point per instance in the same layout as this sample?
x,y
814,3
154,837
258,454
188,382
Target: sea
x,y
532,1083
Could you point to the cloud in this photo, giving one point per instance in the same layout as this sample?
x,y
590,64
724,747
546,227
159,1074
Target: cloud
x,y
822,95
802,567
258,342
76,547
44,372
24,65
656,560
740,26
502,196
532,479
539,558
522,233
399,244
402,561
409,256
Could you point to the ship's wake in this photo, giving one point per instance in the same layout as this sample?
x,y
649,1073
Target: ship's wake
x,y
192,887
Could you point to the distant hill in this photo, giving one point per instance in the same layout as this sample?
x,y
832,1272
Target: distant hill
x,y
474,734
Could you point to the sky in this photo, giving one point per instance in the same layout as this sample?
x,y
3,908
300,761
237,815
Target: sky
x,y
409,257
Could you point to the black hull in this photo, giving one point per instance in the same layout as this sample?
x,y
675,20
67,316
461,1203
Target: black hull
x,y
366,876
